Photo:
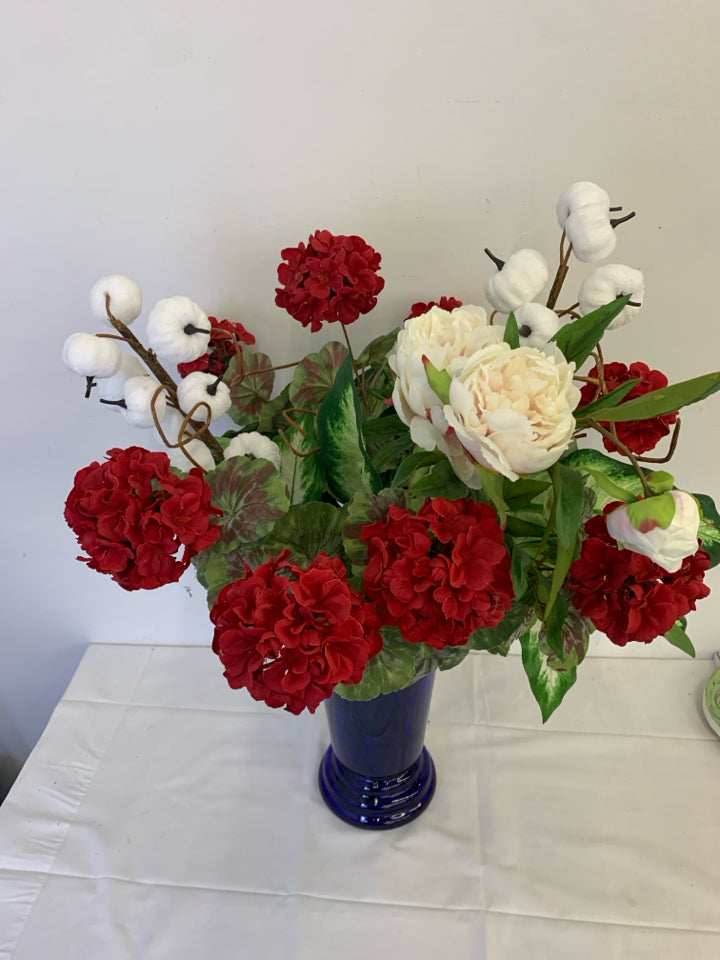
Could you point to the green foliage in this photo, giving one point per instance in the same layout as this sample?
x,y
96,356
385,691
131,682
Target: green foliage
x,y
250,378
309,529
512,334
709,532
548,685
658,402
578,339
678,638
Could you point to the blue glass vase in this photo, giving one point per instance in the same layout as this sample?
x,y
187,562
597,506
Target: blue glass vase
x,y
377,772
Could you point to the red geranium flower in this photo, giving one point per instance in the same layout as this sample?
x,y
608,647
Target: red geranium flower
x,y
445,303
439,574
132,515
221,348
625,594
639,436
290,634
333,278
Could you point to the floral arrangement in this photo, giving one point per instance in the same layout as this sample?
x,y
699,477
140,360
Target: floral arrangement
x,y
393,508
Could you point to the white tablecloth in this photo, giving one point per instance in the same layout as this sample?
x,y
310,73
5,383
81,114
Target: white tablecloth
x,y
163,816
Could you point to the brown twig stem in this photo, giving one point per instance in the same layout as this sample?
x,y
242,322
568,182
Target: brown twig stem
x,y
562,272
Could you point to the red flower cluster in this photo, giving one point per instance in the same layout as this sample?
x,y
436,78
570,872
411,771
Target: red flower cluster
x,y
439,574
627,595
445,303
639,436
221,348
132,514
290,634
332,278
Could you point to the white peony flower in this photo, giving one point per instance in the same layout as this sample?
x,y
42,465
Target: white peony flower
x,y
139,396
199,387
178,330
447,339
91,356
518,280
667,546
125,299
537,324
197,450
608,282
110,389
512,410
580,194
254,444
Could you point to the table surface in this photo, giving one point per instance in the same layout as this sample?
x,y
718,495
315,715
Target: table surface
x,y
163,816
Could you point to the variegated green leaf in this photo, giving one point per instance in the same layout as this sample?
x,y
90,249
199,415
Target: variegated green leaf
x,y
251,385
315,375
252,496
391,669
308,529
300,465
548,686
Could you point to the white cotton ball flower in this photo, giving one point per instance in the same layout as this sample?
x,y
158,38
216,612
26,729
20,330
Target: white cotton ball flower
x,y
608,282
125,299
197,450
253,444
178,330
91,356
110,389
519,280
580,194
537,324
591,233
139,394
198,387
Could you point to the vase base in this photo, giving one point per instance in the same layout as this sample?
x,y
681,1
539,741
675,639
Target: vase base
x,y
381,803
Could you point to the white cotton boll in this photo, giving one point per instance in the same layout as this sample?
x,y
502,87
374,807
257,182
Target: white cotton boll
x,y
590,232
608,282
206,388
198,451
178,330
125,299
520,280
90,355
111,388
537,324
254,444
139,395
580,194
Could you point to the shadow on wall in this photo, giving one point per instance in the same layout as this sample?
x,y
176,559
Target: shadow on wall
x,y
9,769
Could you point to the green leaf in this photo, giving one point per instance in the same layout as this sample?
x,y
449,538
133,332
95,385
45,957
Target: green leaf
x,y
493,485
517,493
376,352
522,563
439,380
548,686
512,334
678,638
655,511
251,494
660,481
496,639
315,375
300,466
391,669
578,339
709,532
658,402
308,529
608,478
609,400
414,462
569,502
251,386
440,481
342,453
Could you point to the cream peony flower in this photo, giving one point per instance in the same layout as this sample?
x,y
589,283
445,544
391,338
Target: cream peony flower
x,y
512,410
667,546
447,339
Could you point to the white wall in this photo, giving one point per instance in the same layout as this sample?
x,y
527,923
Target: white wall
x,y
185,143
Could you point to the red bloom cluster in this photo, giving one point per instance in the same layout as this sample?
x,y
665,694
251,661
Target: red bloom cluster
x,y
439,574
221,348
445,303
132,515
627,595
639,436
332,278
290,634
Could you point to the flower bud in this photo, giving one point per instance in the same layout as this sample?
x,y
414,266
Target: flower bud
x,y
663,528
91,356
125,299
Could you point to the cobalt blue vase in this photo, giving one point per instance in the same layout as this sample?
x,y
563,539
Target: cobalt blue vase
x,y
377,773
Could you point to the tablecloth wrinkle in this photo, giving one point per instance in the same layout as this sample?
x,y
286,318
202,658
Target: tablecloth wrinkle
x,y
163,815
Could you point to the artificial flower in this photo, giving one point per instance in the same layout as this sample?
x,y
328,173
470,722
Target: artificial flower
x,y
518,280
512,410
639,436
333,278
445,303
207,389
144,401
221,348
124,295
290,634
608,282
666,534
537,325
178,330
439,574
91,356
625,594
